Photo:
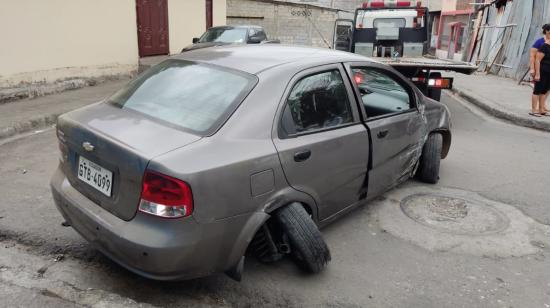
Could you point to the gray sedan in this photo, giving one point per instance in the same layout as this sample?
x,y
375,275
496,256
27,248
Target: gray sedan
x,y
227,152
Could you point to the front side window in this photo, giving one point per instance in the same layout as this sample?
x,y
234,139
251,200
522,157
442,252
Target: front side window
x,y
316,102
195,97
380,92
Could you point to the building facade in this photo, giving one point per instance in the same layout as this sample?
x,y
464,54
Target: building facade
x,y
299,22
451,28
48,42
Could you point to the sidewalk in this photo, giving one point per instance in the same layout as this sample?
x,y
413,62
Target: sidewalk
x,y
30,114
500,97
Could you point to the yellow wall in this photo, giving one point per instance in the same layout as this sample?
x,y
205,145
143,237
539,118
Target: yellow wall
x,y
49,40
55,39
220,13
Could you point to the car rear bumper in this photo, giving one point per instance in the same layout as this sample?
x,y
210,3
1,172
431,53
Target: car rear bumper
x,y
156,248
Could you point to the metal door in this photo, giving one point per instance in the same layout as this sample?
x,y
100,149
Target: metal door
x,y
396,125
343,34
330,164
152,22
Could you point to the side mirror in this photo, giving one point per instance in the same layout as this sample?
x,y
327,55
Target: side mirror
x,y
254,40
195,40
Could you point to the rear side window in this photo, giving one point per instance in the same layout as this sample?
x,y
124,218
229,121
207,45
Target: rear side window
x,y
195,97
317,102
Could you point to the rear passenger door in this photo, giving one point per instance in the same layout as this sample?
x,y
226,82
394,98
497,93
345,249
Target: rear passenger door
x,y
322,144
395,123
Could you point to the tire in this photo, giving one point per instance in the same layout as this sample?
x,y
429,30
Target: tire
x,y
308,248
435,94
428,168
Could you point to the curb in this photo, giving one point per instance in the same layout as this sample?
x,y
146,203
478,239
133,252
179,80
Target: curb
x,y
502,114
29,125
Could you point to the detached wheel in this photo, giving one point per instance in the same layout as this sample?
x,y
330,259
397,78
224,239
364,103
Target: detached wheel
x,y
308,248
428,168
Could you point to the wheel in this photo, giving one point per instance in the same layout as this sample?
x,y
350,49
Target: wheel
x,y
308,248
435,94
428,168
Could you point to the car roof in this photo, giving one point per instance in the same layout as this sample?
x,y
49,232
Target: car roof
x,y
236,26
254,59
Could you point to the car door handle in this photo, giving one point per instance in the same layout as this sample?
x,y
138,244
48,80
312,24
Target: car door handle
x,y
302,155
382,133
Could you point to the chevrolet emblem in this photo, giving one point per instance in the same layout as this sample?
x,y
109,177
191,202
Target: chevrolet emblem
x,y
87,146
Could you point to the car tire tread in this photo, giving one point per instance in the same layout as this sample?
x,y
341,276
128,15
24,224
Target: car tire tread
x,y
430,160
308,246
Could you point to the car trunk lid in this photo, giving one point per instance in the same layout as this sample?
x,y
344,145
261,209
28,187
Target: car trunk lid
x,y
123,141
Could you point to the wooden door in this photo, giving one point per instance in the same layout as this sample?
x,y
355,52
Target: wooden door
x,y
208,14
152,23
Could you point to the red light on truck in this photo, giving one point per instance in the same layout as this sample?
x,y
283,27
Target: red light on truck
x,y
403,3
377,4
440,83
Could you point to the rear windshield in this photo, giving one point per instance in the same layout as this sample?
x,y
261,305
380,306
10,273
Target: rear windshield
x,y
192,96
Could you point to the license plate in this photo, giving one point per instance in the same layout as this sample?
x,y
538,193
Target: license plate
x,y
94,175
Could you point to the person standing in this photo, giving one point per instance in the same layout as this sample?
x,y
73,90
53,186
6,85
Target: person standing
x,y
532,56
542,75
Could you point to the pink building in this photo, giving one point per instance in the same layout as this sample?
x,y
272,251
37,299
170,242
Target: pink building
x,y
450,32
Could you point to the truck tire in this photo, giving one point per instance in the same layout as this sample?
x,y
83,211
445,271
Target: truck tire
x,y
308,248
435,94
428,168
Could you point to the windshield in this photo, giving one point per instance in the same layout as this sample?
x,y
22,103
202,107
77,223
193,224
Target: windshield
x,y
195,97
389,23
225,35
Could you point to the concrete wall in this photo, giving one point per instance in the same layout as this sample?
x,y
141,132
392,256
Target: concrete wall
x,y
54,39
290,23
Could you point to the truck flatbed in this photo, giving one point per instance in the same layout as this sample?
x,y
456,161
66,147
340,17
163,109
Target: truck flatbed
x,y
430,63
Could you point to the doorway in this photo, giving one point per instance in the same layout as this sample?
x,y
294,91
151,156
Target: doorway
x,y
152,24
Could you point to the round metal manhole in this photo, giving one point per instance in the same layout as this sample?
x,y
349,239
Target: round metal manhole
x,y
454,215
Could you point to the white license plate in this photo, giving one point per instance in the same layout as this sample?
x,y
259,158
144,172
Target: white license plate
x,y
95,176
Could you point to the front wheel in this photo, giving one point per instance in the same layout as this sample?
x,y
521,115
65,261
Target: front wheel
x,y
307,245
428,168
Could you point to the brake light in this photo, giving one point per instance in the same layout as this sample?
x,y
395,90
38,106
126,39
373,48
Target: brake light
x,y
441,83
165,196
403,3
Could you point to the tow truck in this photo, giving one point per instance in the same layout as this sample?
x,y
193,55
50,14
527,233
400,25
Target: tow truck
x,y
396,32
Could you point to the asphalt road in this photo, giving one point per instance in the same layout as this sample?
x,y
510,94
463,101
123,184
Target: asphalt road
x,y
479,238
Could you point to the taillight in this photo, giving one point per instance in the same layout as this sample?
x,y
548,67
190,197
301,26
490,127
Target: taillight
x,y
165,196
440,83
403,3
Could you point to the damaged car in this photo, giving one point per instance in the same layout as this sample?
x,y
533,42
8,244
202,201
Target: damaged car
x,y
232,151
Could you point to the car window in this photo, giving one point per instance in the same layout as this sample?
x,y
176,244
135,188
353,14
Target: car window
x,y
316,102
225,35
251,32
195,97
380,92
262,35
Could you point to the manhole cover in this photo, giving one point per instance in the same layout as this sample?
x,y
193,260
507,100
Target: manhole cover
x,y
454,215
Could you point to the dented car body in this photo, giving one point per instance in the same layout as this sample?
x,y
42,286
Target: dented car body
x,y
253,129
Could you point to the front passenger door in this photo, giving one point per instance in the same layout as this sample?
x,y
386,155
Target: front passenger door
x,y
395,123
322,144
